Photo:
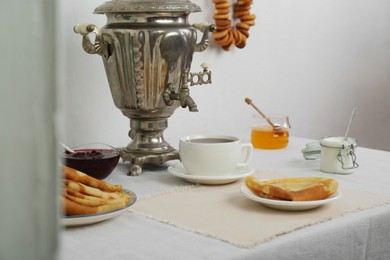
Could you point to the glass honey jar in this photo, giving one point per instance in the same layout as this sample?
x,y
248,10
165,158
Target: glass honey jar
x,y
266,136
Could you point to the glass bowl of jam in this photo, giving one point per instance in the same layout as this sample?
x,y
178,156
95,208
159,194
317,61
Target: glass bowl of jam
x,y
95,159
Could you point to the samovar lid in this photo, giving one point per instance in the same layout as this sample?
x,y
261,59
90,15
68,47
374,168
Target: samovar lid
x,y
136,6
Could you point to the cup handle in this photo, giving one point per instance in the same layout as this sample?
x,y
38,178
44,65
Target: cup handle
x,y
248,147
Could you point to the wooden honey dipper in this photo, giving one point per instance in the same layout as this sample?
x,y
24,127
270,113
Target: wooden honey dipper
x,y
274,127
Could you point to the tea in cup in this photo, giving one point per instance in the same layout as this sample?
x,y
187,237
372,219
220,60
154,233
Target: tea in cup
x,y
265,136
213,155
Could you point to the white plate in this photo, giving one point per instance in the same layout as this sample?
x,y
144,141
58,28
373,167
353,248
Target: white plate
x,y
288,205
81,220
178,170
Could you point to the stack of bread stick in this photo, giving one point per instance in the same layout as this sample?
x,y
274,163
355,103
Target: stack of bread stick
x,y
83,194
293,189
226,34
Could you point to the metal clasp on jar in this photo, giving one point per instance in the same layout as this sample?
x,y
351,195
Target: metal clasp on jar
x,y
349,151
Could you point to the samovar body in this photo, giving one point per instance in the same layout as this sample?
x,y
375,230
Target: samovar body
x,y
147,49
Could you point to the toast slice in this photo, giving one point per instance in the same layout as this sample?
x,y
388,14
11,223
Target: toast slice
x,y
293,189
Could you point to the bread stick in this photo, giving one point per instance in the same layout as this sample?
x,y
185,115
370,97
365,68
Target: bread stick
x,y
94,201
76,186
77,176
73,208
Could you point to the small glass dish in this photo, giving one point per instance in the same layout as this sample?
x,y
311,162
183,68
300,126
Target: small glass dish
x,y
95,159
312,151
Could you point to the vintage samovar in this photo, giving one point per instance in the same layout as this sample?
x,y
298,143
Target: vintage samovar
x,y
147,48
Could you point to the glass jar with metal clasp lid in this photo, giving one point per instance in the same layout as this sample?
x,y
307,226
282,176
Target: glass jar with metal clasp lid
x,y
338,155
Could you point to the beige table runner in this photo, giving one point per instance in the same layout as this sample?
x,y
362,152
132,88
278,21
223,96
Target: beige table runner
x,y
222,212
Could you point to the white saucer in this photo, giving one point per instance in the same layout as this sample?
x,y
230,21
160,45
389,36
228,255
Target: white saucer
x,y
288,205
178,170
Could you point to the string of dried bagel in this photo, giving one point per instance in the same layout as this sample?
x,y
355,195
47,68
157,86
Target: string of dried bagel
x,y
227,34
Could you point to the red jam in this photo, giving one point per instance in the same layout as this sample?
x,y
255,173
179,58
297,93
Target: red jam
x,y
98,163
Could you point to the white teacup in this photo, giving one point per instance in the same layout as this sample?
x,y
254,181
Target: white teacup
x,y
213,155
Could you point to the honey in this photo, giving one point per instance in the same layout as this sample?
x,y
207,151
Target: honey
x,y
265,137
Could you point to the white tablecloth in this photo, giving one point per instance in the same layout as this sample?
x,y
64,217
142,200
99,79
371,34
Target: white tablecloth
x,y
360,235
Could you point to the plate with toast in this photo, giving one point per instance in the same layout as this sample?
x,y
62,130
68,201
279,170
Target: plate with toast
x,y
292,194
87,200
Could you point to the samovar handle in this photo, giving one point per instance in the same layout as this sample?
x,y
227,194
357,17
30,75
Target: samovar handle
x,y
92,48
205,28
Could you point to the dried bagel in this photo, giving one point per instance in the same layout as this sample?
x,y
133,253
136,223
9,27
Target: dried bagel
x,y
228,33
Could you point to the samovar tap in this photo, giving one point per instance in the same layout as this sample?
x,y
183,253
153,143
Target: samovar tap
x,y
182,95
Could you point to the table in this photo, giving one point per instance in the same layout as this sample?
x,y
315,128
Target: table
x,y
360,235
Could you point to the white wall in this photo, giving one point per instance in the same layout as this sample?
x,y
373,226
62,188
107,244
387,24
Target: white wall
x,y
313,59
